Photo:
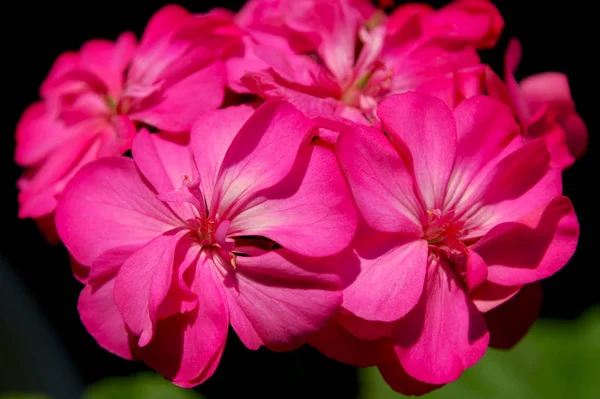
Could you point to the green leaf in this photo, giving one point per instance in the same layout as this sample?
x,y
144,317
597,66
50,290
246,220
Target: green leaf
x,y
139,386
23,395
556,360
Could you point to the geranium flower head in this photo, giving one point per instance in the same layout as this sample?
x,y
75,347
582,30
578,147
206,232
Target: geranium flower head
x,y
234,227
461,213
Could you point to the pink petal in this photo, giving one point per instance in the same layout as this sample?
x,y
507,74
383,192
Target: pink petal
x,y
487,132
109,60
445,334
211,137
335,342
391,277
489,295
143,283
106,205
40,187
398,379
267,85
310,211
47,227
519,184
178,106
512,58
260,156
380,181
423,124
279,298
577,134
163,158
97,308
38,133
532,247
547,87
512,320
364,329
186,348
476,270
468,22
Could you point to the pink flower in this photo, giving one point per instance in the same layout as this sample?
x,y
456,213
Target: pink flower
x,y
461,214
184,239
542,103
545,108
92,99
344,56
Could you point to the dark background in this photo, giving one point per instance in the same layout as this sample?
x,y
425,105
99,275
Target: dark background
x,y
555,36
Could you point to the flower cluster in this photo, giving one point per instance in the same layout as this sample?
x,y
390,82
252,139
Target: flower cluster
x,y
306,171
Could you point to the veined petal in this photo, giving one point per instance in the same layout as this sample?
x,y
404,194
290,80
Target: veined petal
x,y
187,347
262,153
425,127
380,180
108,204
310,211
532,247
279,298
143,283
444,334
211,137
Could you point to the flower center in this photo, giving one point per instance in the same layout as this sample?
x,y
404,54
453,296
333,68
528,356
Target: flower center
x,y
206,232
442,234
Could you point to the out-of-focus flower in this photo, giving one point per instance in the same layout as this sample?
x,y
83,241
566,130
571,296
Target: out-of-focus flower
x,y
92,99
545,108
342,57
235,227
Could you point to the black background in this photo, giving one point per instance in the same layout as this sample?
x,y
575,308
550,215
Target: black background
x,y
556,36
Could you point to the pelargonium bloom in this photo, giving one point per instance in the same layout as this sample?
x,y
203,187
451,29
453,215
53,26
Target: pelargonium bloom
x,y
542,103
234,227
93,99
349,56
464,213
545,108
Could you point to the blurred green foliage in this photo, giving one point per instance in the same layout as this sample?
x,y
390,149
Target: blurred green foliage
x,y
139,386
556,360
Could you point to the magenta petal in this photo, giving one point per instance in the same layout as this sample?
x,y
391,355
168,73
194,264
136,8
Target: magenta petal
x,y
476,270
487,132
164,159
96,305
511,321
445,334
108,204
143,283
391,278
38,133
211,137
489,295
261,155
426,127
180,104
533,247
279,298
519,184
186,348
396,377
380,181
310,211
335,342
